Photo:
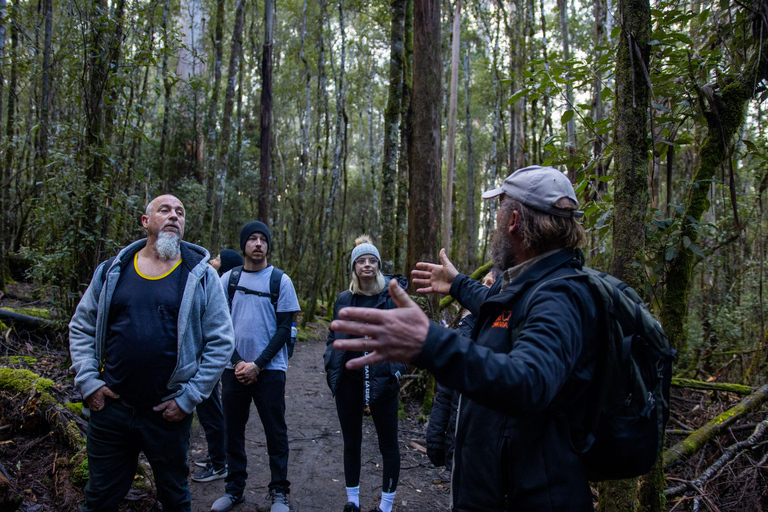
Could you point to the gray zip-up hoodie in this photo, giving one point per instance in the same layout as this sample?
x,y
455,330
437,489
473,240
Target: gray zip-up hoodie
x,y
205,335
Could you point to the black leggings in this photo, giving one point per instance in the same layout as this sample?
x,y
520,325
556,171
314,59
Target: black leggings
x,y
349,405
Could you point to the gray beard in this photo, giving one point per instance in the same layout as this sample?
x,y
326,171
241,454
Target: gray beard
x,y
502,251
167,245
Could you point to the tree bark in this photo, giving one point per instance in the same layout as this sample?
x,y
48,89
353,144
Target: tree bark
x,y
450,143
471,231
5,172
265,136
631,191
210,122
401,240
167,86
391,136
425,160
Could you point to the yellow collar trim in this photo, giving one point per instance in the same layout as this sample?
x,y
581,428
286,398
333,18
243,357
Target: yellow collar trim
x,y
136,267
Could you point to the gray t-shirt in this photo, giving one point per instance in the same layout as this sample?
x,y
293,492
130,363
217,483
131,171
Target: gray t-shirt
x,y
254,317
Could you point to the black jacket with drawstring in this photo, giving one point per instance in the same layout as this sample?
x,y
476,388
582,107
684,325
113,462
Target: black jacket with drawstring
x,y
384,377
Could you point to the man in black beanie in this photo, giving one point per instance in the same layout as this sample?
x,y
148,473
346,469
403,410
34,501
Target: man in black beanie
x,y
262,305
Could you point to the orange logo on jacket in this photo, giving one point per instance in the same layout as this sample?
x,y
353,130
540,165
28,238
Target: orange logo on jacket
x,y
503,320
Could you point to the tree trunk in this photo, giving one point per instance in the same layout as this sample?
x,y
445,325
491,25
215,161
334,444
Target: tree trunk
x,y
265,136
210,123
162,172
5,172
222,160
391,136
450,143
401,241
471,235
424,159
631,190
571,124
45,100
306,117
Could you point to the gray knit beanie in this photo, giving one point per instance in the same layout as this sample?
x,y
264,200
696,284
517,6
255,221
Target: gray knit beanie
x,y
364,245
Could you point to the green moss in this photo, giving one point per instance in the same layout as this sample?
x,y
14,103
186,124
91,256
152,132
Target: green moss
x,y
79,469
3,327
36,312
20,359
77,408
20,380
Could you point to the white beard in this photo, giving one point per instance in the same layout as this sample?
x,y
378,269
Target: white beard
x,y
167,245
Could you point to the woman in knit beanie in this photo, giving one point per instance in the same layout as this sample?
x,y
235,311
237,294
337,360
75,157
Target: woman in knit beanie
x,y
372,390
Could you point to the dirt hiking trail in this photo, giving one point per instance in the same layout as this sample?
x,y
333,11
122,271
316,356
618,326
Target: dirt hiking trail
x,y
315,467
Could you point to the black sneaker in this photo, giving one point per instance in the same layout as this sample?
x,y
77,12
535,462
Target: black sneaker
x,y
203,462
351,507
210,473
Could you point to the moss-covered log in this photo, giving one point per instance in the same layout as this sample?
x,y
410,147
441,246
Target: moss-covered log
x,y
698,439
738,389
34,407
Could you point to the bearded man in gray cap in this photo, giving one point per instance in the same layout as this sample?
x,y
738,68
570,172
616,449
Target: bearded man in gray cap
x,y
527,376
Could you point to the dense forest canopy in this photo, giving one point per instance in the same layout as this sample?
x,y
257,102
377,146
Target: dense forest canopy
x,y
299,113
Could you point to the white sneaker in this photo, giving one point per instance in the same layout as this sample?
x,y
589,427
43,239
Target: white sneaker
x,y
279,502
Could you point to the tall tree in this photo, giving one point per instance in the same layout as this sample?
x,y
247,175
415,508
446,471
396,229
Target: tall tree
x,y
209,128
450,145
392,135
631,189
45,99
167,86
222,160
5,172
405,135
566,37
471,231
424,158
265,135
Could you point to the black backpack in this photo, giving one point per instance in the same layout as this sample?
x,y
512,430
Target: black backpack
x,y
273,295
626,434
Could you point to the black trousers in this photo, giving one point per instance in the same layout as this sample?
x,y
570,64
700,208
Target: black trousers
x,y
349,405
211,417
268,394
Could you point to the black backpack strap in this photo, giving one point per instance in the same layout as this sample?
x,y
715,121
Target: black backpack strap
x,y
274,286
234,278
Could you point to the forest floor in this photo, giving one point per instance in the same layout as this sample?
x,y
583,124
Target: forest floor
x,y
41,471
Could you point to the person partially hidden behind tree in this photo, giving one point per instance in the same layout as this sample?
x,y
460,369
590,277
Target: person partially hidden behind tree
x,y
528,380
256,372
148,341
209,411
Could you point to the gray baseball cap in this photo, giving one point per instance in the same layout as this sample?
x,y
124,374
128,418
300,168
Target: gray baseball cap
x,y
540,188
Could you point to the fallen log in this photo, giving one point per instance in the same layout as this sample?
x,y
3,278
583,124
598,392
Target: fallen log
x,y
30,322
730,453
699,438
738,389
34,407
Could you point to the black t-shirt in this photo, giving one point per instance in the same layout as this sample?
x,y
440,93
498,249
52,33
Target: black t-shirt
x,y
360,301
141,348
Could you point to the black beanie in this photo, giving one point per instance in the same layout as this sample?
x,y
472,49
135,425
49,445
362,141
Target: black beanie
x,y
229,260
254,227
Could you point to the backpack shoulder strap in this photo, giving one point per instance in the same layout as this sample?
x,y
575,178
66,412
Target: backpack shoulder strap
x,y
274,286
234,278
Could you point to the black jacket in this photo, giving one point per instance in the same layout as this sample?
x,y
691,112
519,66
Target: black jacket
x,y
385,377
526,384
442,420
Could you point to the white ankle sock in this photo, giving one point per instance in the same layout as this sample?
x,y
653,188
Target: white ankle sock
x,y
353,495
387,499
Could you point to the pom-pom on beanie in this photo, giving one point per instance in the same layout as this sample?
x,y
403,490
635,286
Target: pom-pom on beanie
x,y
364,245
254,227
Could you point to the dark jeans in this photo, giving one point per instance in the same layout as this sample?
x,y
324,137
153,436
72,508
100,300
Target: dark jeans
x,y
349,405
211,417
116,435
268,394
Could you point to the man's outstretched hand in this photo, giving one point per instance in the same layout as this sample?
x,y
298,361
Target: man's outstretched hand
x,y
435,278
394,335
